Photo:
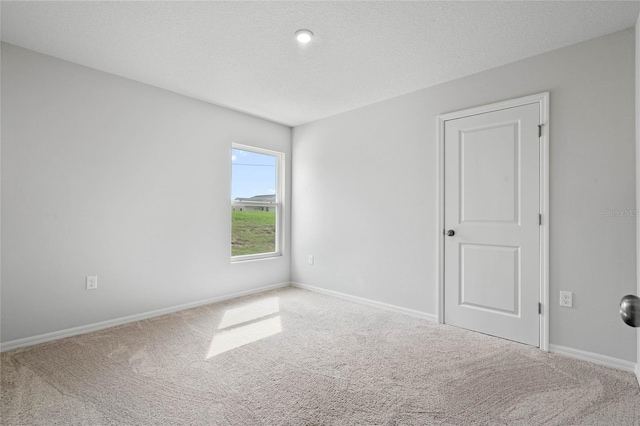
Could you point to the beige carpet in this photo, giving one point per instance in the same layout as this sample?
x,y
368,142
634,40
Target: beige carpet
x,y
291,357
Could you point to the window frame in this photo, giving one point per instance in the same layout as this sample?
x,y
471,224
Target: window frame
x,y
278,204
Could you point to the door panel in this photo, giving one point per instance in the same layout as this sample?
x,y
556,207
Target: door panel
x,y
492,199
489,174
504,293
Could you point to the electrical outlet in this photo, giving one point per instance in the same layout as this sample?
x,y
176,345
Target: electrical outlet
x,y
566,299
92,282
311,259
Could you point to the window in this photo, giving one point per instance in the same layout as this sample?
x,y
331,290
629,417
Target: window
x,y
256,202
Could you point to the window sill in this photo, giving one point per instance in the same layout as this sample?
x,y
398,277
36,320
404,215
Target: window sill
x,y
254,257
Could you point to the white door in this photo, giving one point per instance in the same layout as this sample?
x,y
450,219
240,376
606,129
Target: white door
x,y
492,206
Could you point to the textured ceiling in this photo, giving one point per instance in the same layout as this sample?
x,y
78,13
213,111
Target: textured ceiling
x,y
243,55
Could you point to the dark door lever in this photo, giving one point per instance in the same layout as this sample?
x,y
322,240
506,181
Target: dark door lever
x,y
630,310
451,233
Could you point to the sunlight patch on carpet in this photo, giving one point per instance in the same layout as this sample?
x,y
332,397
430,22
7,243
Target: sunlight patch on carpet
x,y
244,335
250,312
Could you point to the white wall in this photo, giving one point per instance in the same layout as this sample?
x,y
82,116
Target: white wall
x,y
106,176
638,178
365,190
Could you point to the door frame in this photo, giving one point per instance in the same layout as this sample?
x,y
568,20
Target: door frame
x,y
542,99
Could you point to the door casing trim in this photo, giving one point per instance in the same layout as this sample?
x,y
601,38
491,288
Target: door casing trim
x,y
542,99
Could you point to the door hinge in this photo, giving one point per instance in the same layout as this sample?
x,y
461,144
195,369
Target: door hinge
x,y
540,130
539,308
540,219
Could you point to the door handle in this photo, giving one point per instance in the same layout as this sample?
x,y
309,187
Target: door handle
x,y
630,310
450,233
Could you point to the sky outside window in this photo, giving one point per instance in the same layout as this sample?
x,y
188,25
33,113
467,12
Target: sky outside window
x,y
252,174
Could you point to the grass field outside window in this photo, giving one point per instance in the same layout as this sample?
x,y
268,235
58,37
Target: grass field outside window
x,y
252,232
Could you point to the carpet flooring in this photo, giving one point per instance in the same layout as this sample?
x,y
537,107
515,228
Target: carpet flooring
x,y
292,357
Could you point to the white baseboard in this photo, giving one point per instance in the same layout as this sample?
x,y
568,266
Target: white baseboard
x,y
61,334
381,305
605,360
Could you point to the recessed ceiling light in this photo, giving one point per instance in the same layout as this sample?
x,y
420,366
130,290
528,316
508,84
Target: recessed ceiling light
x,y
304,36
